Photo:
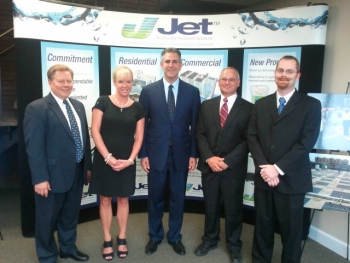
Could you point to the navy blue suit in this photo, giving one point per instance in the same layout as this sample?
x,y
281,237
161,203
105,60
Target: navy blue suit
x,y
168,164
51,155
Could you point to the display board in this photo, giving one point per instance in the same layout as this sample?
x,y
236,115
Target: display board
x,y
209,43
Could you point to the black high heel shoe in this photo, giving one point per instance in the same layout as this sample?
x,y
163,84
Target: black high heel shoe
x,y
121,242
108,256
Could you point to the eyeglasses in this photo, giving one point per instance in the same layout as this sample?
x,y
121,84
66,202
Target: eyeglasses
x,y
229,80
288,71
65,81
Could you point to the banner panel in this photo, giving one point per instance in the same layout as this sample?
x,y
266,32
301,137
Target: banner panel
x,y
48,21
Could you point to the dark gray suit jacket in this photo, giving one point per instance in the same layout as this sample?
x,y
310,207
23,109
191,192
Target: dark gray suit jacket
x,y
50,144
285,140
230,142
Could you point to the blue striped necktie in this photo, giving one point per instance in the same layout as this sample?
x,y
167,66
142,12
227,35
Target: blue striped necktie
x,y
76,134
281,106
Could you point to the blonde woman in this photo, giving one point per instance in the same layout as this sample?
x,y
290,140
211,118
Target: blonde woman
x,y
117,129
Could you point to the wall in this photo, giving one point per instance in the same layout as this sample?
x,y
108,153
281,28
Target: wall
x,y
8,90
329,228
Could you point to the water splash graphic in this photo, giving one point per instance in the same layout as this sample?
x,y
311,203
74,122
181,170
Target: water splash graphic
x,y
63,18
79,16
271,22
275,23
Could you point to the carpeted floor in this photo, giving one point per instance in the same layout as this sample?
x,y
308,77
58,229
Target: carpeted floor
x,y
15,248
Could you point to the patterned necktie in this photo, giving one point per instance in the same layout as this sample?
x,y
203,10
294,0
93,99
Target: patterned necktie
x,y
281,106
171,102
223,113
76,134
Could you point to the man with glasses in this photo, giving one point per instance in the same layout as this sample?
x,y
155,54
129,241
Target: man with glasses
x,y
59,155
223,155
283,130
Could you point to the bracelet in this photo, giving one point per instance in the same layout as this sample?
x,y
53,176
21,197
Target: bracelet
x,y
108,157
132,162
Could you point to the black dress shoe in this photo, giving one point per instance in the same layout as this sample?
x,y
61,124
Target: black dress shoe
x,y
152,247
236,257
178,247
204,248
77,256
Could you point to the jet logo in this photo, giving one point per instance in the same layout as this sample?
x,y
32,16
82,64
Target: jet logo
x,y
144,31
187,28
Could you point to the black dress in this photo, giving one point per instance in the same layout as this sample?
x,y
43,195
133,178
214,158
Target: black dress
x,y
117,131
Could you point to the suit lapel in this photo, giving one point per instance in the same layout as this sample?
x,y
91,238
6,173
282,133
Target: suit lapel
x,y
161,98
272,106
215,110
181,96
81,115
236,108
57,110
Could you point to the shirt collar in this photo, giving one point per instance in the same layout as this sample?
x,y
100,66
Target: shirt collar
x,y
231,99
175,84
286,97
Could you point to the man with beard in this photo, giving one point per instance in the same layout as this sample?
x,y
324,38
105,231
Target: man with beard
x,y
283,129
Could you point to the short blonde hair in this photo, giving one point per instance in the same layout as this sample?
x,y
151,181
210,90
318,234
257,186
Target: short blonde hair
x,y
121,71
58,67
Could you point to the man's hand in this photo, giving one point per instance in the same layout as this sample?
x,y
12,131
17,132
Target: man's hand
x,y
42,188
145,164
217,164
273,182
269,174
192,164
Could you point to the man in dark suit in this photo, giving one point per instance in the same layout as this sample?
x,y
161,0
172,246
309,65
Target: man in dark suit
x,y
283,130
58,146
169,149
223,155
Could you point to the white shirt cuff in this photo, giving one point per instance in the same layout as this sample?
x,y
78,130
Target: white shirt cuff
x,y
278,170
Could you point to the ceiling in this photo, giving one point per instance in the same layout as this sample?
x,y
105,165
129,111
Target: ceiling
x,y
171,6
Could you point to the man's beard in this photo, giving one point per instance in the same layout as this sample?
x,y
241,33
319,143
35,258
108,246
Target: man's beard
x,y
284,84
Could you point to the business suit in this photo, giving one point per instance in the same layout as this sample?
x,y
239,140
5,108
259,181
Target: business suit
x,y
230,143
286,141
52,157
160,132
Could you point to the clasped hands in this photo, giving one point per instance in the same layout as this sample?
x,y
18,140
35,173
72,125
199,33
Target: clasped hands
x,y
269,174
217,164
118,164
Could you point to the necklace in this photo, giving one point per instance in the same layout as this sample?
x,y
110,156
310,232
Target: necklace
x,y
122,107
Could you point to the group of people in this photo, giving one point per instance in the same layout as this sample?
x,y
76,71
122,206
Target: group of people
x,y
169,129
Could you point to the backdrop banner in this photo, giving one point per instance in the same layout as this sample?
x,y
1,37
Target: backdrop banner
x,y
93,42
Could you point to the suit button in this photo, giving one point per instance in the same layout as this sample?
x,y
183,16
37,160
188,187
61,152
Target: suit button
x,y
274,130
272,147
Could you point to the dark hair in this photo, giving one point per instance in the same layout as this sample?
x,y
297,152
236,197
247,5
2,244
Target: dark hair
x,y
287,57
171,50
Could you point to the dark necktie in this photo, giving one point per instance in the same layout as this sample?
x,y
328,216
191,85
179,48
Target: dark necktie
x,y
171,102
76,134
281,106
223,113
